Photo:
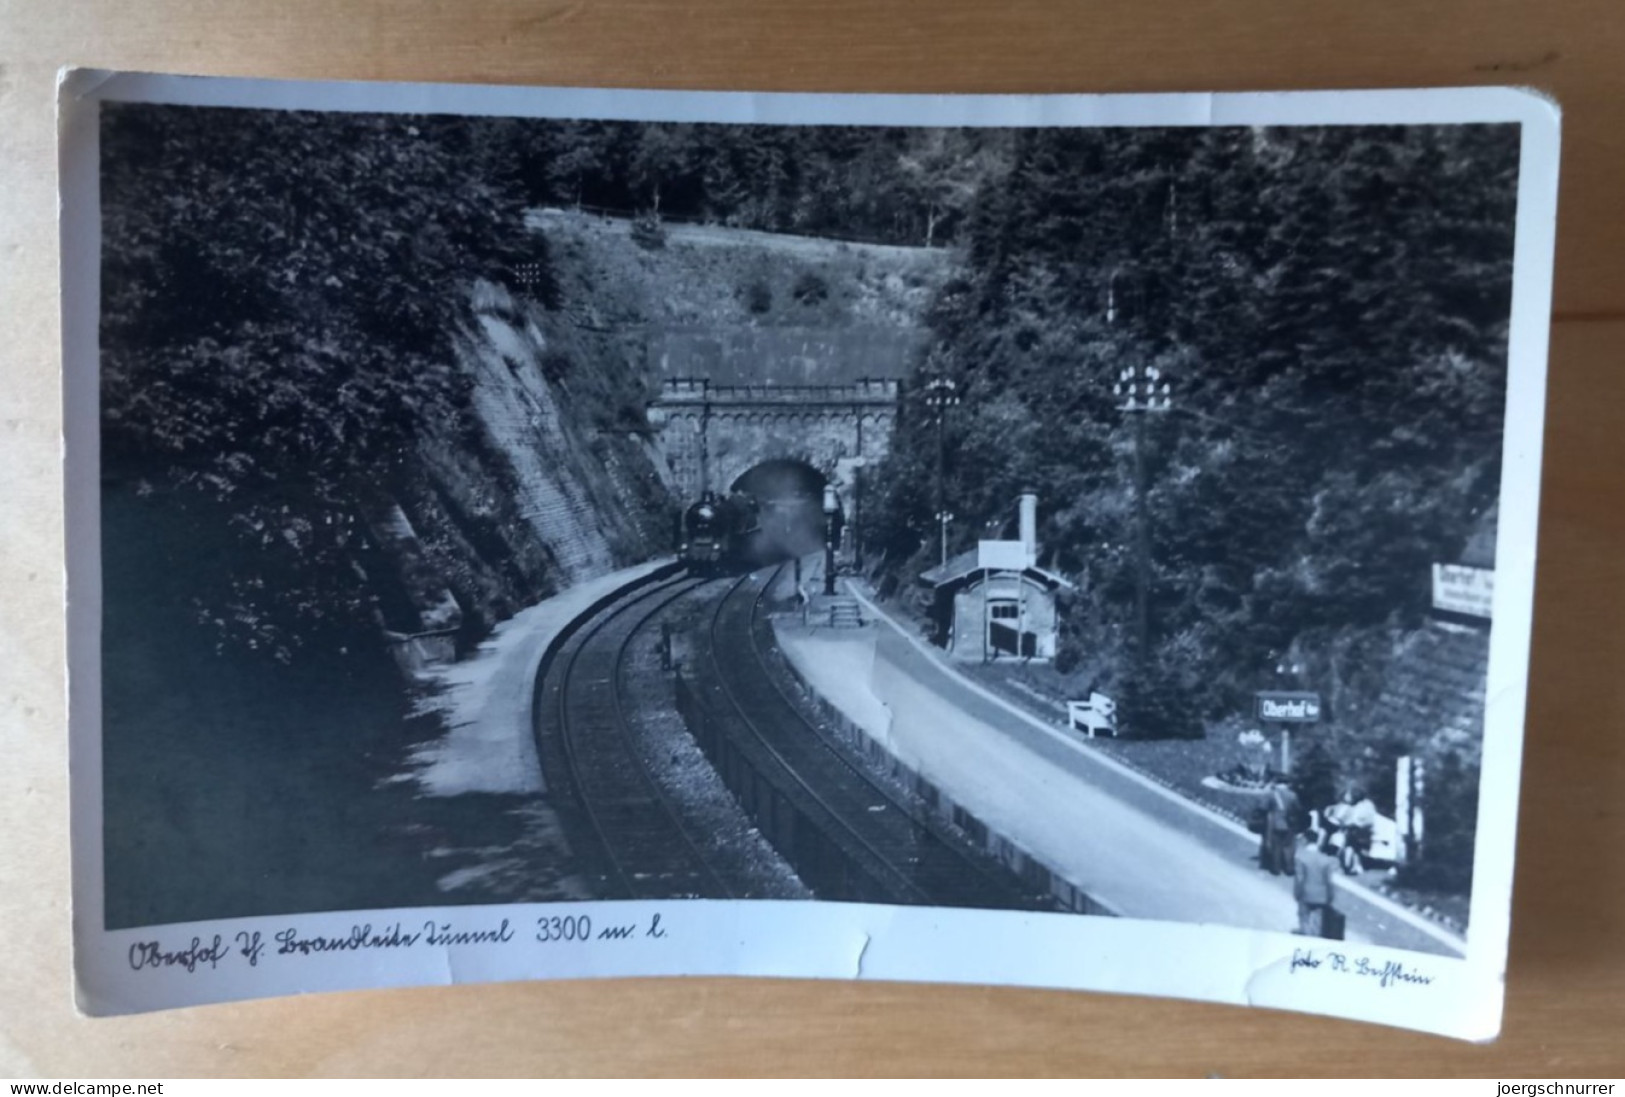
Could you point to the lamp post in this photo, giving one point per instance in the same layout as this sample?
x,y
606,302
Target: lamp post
x,y
944,520
832,507
941,393
1141,390
856,525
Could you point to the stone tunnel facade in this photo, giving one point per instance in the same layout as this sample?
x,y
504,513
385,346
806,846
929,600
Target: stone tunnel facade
x,y
712,434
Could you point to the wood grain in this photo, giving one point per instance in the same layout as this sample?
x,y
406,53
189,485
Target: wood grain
x,y
1566,981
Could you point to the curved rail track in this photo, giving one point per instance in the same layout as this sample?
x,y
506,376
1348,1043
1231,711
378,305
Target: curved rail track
x,y
640,847
847,834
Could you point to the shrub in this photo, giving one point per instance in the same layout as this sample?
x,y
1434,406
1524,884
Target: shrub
x,y
758,296
1154,706
1067,659
556,366
647,232
810,289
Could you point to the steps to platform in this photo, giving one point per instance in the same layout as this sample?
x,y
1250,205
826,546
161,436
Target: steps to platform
x,y
833,611
844,613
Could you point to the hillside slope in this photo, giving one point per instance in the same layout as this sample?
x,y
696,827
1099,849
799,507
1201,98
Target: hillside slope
x,y
706,275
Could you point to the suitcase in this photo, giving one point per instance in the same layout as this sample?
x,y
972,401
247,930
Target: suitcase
x,y
1332,924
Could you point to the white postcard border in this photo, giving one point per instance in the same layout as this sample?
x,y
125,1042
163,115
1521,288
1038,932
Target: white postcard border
x,y
1461,997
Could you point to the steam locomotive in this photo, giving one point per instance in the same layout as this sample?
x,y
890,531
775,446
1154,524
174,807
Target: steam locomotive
x,y
717,532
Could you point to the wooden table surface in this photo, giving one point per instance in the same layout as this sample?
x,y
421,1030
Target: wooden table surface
x,y
1566,980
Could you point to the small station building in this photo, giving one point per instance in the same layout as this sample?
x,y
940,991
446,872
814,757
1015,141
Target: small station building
x,y
995,601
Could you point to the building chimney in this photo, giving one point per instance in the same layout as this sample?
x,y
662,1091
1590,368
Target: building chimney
x,y
1029,525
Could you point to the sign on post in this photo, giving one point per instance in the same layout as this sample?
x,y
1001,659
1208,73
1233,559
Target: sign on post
x,y
1003,555
1288,707
1458,588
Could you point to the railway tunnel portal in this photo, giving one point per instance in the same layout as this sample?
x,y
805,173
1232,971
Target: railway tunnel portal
x,y
741,409
712,435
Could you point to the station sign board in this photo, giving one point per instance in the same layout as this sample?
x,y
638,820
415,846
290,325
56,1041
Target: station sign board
x,y
1288,707
1003,555
1458,588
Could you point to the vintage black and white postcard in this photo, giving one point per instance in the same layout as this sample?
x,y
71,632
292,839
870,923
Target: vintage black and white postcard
x,y
1069,541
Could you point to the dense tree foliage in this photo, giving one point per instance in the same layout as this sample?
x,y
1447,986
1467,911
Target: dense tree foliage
x,y
302,243
898,186
1329,308
273,340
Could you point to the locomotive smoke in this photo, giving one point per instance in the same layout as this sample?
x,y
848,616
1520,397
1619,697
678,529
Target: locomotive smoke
x,y
790,497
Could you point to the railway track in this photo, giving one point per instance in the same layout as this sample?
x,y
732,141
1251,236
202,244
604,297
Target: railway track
x,y
636,843
848,834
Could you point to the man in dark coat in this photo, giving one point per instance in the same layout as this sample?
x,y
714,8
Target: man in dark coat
x,y
1281,811
1312,884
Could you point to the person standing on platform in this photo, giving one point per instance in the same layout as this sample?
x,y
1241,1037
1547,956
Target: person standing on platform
x,y
1312,884
1275,851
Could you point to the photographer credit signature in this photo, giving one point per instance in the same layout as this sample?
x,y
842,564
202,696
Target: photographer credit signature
x,y
1386,972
